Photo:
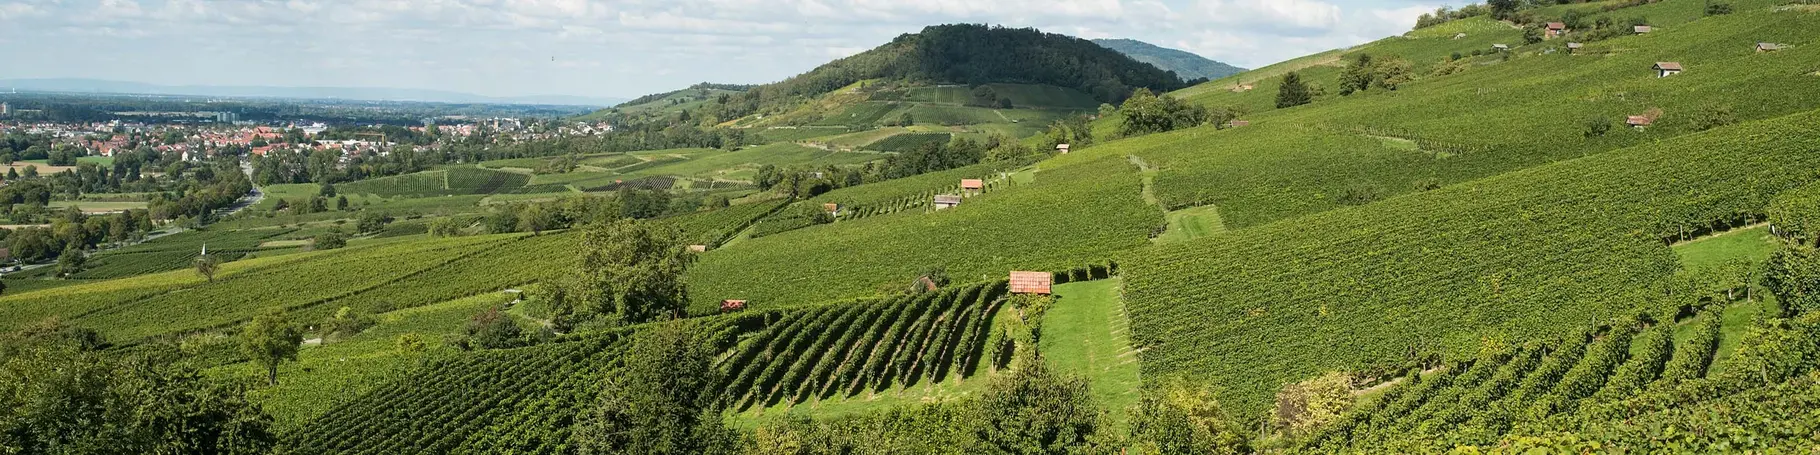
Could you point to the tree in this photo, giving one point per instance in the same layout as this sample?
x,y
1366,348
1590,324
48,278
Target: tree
x,y
71,261
445,227
663,401
271,339
1793,275
371,222
1358,76
1393,72
207,265
1035,411
629,272
330,240
346,322
2,287
60,394
493,329
341,203
1293,92
1502,9
1182,417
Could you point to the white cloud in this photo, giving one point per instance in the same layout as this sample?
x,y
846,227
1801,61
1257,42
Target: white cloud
x,y
609,47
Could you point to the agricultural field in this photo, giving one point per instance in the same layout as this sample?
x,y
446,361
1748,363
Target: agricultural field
x,y
970,241
1525,251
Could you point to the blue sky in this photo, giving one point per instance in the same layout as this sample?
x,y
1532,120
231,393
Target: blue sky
x,y
610,48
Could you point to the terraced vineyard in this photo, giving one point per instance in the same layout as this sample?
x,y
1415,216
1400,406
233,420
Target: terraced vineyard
x,y
1017,228
846,349
1518,255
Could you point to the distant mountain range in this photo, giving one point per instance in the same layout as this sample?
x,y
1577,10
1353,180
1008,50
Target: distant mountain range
x,y
1185,64
345,93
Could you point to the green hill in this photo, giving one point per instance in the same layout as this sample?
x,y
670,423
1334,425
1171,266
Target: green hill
x,y
1449,248
1184,64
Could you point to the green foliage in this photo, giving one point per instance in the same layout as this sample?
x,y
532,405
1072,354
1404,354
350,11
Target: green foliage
x,y
1293,92
1520,273
1035,411
1179,416
346,322
333,239
369,222
58,394
661,402
1147,113
627,273
270,339
1795,215
1794,276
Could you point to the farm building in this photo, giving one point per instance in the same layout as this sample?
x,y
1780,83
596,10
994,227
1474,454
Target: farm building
x,y
1500,47
1031,282
946,201
1768,47
1574,47
1666,69
1062,148
832,209
728,306
1554,30
1641,29
1639,121
973,185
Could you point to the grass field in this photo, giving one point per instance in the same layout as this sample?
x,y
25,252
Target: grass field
x,y
1754,244
1192,223
1088,334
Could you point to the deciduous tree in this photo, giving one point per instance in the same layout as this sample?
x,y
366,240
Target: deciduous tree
x,y
271,339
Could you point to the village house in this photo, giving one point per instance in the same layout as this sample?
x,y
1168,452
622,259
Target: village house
x,y
1554,30
1031,282
946,201
973,186
1666,69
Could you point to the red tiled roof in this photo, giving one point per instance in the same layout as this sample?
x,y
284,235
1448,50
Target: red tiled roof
x,y
1668,66
1031,282
972,184
1639,120
1556,26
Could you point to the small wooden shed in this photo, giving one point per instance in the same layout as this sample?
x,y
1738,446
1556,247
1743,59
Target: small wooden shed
x,y
1768,47
831,208
1500,47
1062,148
1666,69
1031,282
729,306
974,185
946,201
1574,47
1555,29
1639,121
1641,29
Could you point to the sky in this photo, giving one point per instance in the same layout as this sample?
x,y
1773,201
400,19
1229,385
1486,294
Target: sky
x,y
607,48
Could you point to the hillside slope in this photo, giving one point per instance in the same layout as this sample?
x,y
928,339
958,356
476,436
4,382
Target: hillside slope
x,y
1184,64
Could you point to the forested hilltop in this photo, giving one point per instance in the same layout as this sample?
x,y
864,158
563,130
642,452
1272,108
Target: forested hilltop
x,y
1522,227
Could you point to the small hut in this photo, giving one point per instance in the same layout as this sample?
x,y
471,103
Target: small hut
x,y
1500,47
1641,29
729,306
1062,148
698,248
1031,282
1666,69
832,209
946,201
1639,121
1574,47
1554,30
1768,47
973,186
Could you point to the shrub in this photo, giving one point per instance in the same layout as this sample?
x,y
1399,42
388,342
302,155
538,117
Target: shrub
x,y
1597,126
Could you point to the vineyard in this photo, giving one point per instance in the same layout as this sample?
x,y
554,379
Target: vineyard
x,y
1620,386
1514,255
713,227
1020,227
172,252
846,349
1489,119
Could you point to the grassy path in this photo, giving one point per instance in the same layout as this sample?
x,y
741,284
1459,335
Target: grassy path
x,y
1087,333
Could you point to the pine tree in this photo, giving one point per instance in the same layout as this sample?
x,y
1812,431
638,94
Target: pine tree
x,y
1293,92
